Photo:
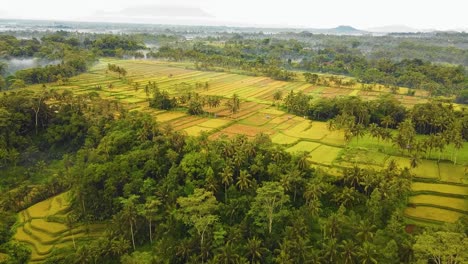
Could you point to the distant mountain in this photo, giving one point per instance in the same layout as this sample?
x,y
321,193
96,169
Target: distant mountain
x,y
340,30
395,29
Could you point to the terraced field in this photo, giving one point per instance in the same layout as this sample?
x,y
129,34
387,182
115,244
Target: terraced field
x,y
440,182
43,228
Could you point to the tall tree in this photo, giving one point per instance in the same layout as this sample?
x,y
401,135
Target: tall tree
x,y
198,210
268,204
129,213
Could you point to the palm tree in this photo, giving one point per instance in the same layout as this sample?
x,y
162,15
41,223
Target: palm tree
x,y
374,131
387,121
345,197
303,161
358,131
367,254
227,255
211,183
233,104
283,255
244,180
226,179
348,251
365,231
255,249
330,250
129,213
353,176
313,191
315,206
119,246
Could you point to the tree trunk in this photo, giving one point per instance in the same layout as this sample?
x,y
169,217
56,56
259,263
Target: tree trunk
x,y
133,238
225,193
150,236
36,112
201,245
270,223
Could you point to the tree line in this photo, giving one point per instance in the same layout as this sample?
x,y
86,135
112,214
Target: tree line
x,y
74,56
276,58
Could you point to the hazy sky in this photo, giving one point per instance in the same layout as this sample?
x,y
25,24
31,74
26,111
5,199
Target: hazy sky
x,y
437,14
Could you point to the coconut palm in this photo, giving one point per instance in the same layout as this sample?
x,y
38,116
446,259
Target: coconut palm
x,y
255,251
226,179
129,213
367,254
244,180
348,251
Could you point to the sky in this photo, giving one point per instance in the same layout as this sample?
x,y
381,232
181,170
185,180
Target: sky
x,y
362,14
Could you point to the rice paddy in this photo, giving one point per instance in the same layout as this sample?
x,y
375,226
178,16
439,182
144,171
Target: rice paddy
x,y
258,114
42,228
433,214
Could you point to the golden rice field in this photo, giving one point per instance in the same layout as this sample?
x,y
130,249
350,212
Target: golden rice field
x,y
445,202
257,114
43,235
433,214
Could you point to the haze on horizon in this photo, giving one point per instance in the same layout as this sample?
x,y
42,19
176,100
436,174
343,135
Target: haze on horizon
x,y
362,14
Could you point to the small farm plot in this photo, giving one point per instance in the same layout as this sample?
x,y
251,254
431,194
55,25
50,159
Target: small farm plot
x,y
452,173
249,131
196,130
432,214
316,131
335,138
460,204
215,123
303,146
426,168
280,138
299,128
447,189
258,119
351,156
325,154
168,116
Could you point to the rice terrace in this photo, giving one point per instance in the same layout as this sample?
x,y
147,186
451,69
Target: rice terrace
x,y
444,185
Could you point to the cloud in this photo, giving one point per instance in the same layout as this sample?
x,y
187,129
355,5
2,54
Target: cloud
x,y
164,11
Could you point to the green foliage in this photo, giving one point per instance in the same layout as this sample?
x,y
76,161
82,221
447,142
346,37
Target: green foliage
x,y
441,247
162,100
268,204
17,252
